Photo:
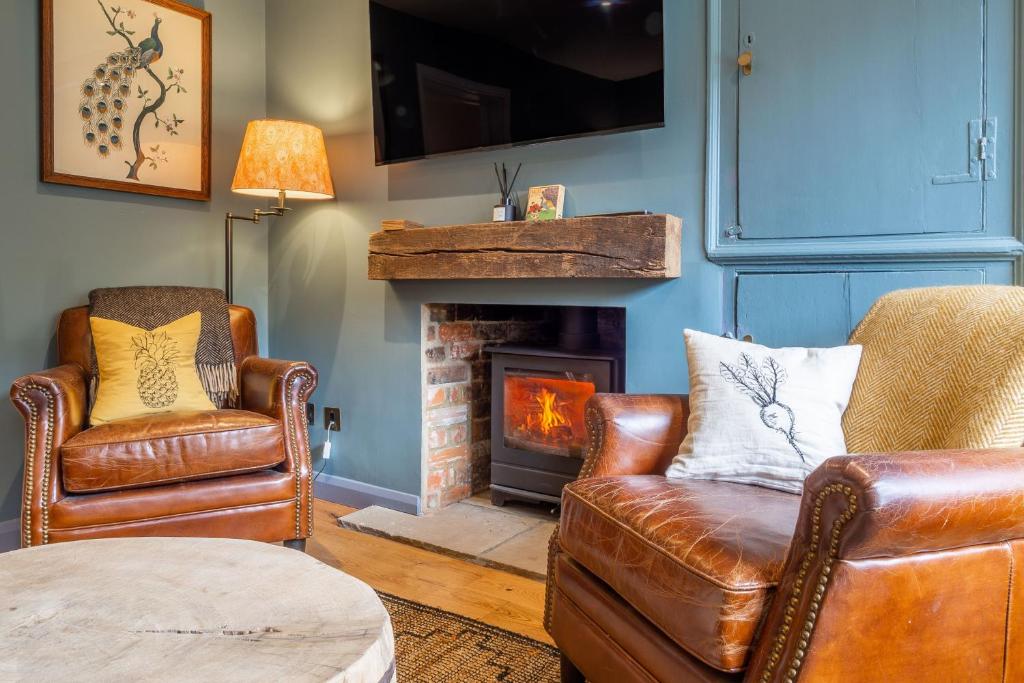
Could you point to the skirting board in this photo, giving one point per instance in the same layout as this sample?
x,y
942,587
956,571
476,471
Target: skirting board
x,y
360,495
9,535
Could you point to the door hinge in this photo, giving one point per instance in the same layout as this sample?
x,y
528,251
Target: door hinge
x,y
981,154
733,232
987,149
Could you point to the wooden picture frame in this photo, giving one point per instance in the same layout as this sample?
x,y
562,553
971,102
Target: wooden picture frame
x,y
129,85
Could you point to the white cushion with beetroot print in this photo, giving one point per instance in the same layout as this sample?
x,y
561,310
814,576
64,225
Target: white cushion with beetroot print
x,y
763,416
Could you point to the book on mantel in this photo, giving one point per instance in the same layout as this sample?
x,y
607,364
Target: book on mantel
x,y
399,224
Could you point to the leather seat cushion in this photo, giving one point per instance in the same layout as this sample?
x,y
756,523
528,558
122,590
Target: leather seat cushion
x,y
699,559
170,447
177,501
580,601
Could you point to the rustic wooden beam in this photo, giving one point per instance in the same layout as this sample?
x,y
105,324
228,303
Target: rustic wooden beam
x,y
638,247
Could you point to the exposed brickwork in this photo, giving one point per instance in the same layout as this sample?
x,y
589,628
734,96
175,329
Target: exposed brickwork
x,y
447,374
436,354
457,386
454,331
465,350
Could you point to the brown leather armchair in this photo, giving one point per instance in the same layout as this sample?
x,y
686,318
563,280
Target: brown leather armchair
x,y
241,473
896,566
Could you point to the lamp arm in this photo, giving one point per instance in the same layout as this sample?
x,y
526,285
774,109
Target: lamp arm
x,y
229,219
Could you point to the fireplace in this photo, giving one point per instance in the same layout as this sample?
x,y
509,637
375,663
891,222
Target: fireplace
x,y
538,396
504,387
537,420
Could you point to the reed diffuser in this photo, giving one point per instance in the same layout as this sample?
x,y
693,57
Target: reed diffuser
x,y
508,208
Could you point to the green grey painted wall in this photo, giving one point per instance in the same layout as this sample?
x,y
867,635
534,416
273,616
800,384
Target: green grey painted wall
x,y
364,336
306,275
59,242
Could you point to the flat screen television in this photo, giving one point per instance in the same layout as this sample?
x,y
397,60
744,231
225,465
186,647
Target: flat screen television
x,y
456,75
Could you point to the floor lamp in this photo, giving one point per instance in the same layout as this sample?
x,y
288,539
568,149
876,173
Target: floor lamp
x,y
280,159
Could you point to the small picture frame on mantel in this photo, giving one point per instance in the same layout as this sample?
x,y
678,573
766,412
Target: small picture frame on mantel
x,y
126,96
545,202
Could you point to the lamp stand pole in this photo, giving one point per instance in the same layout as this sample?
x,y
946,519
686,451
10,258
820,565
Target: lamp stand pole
x,y
229,247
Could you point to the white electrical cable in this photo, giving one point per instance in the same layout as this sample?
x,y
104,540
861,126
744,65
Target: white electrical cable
x,y
325,454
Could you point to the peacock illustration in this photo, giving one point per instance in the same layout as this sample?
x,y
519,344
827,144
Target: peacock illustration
x,y
762,386
157,382
106,91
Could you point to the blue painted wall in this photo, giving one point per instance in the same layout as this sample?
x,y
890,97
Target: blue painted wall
x,y
364,336
57,243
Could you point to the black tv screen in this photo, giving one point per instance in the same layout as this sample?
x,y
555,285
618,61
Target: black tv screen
x,y
454,75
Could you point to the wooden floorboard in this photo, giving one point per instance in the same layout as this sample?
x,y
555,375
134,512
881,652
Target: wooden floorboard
x,y
490,595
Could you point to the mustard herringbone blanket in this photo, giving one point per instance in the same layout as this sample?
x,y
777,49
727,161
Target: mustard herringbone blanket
x,y
943,367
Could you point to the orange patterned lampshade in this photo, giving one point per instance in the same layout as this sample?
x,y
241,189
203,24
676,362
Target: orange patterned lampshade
x,y
283,156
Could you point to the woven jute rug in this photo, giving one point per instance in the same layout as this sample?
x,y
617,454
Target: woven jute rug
x,y
435,646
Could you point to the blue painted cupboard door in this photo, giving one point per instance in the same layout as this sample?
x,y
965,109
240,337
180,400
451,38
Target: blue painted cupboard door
x,y
862,118
793,309
820,309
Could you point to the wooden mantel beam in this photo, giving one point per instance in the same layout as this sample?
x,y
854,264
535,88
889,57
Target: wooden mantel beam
x,y
637,247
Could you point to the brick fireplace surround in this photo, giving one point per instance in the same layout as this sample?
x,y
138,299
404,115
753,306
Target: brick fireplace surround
x,y
456,382
457,390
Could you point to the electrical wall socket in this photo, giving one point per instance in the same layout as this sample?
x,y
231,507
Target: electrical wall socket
x,y
310,414
332,415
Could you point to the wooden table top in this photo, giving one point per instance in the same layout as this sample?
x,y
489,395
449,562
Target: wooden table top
x,y
187,609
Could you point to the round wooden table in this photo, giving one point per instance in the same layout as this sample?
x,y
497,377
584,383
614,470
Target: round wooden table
x,y
187,609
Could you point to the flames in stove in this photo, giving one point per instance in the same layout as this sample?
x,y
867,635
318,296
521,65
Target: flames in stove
x,y
544,414
548,414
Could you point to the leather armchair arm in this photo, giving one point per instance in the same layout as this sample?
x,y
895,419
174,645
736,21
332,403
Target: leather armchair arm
x,y
280,389
633,433
54,405
881,522
927,501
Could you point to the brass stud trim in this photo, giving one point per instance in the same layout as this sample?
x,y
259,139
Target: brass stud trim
x,y
782,635
595,432
293,395
595,428
30,461
47,466
549,598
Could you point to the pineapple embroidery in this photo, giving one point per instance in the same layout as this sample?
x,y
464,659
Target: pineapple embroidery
x,y
155,355
762,386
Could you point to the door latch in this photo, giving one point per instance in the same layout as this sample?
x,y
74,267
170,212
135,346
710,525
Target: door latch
x,y
733,232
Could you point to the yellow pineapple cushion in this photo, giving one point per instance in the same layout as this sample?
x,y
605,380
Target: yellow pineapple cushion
x,y
146,371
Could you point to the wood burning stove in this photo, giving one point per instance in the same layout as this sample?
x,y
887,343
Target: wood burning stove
x,y
541,411
537,401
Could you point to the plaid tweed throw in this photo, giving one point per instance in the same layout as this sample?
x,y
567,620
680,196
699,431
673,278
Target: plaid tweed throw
x,y
152,307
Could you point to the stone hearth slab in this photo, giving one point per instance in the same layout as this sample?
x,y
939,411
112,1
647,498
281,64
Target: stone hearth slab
x,y
508,540
528,549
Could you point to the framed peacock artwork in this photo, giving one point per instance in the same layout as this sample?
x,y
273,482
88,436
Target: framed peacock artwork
x,y
126,96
